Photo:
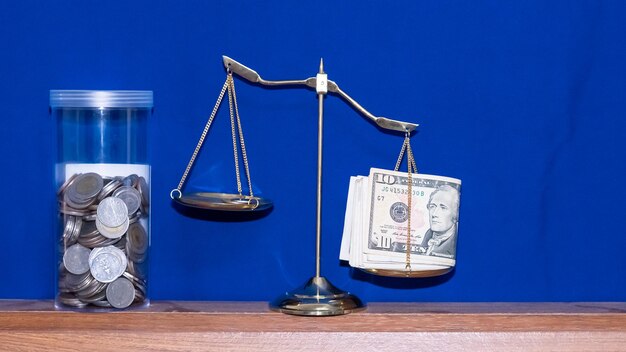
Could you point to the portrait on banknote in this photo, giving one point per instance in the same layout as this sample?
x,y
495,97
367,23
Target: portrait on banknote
x,y
434,215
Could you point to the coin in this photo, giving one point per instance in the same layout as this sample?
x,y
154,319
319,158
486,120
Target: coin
x,y
76,259
140,284
112,212
106,249
107,264
71,201
85,186
135,217
70,221
109,189
73,212
142,186
137,238
120,293
106,267
112,232
105,304
78,224
74,282
70,299
95,239
92,291
130,196
66,184
130,180
88,229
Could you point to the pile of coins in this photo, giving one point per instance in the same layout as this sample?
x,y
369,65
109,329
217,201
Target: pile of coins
x,y
105,242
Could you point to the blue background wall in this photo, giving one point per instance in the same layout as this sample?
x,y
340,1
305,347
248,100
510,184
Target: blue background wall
x,y
524,101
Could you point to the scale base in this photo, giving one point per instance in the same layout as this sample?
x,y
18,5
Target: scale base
x,y
318,297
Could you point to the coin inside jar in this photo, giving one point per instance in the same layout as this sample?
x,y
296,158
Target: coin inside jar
x,y
66,184
112,212
76,259
137,239
130,196
113,252
112,232
107,263
120,293
85,187
130,180
142,186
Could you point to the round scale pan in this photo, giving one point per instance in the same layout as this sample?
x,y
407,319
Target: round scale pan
x,y
223,202
407,274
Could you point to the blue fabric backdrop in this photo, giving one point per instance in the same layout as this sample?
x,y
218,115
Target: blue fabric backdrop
x,y
525,101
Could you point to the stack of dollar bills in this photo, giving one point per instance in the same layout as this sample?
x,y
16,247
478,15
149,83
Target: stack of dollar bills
x,y
377,220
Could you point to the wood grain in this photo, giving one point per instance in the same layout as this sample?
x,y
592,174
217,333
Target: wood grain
x,y
250,326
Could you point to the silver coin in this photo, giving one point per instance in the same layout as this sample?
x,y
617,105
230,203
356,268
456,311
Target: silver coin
x,y
105,304
68,203
134,279
130,180
120,293
71,200
142,186
88,229
130,196
112,232
137,238
85,186
104,249
109,189
76,259
70,221
69,299
133,269
98,296
112,212
106,267
66,184
135,218
64,209
95,239
94,253
78,225
90,292
75,282
107,264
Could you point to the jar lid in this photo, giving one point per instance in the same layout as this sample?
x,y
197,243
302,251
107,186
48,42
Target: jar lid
x,y
101,99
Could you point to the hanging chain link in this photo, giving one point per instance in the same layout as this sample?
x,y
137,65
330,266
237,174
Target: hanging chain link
x,y
229,85
241,141
229,80
400,156
411,169
410,161
178,189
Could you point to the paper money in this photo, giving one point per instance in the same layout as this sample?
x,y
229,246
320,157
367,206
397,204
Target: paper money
x,y
377,217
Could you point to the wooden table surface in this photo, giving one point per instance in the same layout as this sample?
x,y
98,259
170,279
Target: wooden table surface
x,y
251,326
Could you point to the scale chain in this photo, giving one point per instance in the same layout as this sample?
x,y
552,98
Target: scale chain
x,y
411,164
241,139
411,169
201,141
229,85
229,79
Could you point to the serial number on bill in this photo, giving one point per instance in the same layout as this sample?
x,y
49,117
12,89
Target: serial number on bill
x,y
397,190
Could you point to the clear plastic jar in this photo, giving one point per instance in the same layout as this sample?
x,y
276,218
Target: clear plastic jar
x,y
103,191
